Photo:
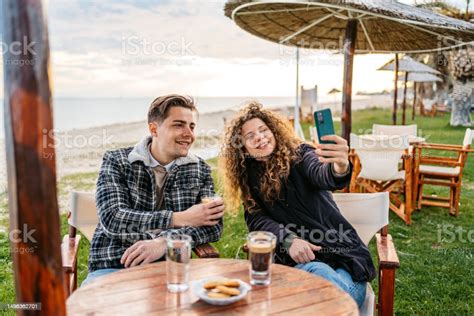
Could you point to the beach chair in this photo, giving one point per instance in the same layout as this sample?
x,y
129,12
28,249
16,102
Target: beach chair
x,y
441,171
82,216
368,214
376,169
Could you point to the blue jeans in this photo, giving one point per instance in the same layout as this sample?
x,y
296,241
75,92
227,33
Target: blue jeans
x,y
339,277
96,274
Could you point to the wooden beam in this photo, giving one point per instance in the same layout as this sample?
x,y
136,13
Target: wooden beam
x,y
395,93
404,105
414,102
349,50
31,164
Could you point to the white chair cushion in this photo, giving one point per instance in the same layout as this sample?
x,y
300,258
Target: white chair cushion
x,y
440,170
379,155
83,213
399,175
399,130
380,169
367,309
428,103
468,138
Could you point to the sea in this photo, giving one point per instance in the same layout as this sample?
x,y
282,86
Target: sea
x,y
80,113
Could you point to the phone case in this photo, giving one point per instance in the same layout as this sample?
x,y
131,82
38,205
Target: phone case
x,y
324,125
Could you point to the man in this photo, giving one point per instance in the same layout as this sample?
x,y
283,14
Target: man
x,y
146,190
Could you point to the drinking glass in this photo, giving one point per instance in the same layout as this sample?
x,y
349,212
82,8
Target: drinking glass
x,y
178,257
261,247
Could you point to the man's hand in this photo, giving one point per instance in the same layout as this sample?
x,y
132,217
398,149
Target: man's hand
x,y
143,252
337,153
200,215
301,251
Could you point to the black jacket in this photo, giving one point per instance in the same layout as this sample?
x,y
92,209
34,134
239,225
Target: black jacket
x,y
306,208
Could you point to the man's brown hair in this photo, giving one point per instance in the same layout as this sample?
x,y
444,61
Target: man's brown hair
x,y
159,108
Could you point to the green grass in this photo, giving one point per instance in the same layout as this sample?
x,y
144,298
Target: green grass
x,y
436,274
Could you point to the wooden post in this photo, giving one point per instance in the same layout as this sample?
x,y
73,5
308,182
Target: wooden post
x,y
386,291
349,49
297,101
404,105
395,93
34,215
414,101
422,93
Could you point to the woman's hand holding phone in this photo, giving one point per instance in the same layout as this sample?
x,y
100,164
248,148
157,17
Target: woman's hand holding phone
x,y
337,154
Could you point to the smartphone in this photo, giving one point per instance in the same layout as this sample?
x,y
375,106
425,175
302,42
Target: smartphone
x,y
324,125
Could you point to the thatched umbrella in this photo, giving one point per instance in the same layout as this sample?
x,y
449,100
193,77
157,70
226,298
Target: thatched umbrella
x,y
385,27
334,91
420,77
407,65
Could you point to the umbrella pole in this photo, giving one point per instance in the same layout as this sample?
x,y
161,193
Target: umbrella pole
x,y
31,166
414,101
296,120
395,93
349,49
404,106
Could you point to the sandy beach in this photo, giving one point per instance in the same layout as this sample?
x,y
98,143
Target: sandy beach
x,y
81,150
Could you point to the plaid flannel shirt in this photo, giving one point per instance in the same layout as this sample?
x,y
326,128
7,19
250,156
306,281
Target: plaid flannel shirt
x,y
127,202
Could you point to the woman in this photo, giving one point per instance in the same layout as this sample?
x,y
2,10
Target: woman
x,y
284,185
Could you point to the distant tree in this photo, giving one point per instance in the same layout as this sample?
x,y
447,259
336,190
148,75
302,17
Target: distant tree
x,y
440,60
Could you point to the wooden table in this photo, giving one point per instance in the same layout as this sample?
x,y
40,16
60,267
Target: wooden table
x,y
142,290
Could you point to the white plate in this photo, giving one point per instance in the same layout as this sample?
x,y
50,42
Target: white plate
x,y
201,292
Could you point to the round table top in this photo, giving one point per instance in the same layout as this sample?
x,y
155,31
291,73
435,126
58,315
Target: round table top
x,y
142,290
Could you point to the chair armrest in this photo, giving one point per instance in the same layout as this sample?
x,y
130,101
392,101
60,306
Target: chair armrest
x,y
69,250
448,147
436,145
442,161
206,251
388,264
386,252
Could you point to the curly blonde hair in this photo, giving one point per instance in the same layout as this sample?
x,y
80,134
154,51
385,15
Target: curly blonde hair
x,y
233,173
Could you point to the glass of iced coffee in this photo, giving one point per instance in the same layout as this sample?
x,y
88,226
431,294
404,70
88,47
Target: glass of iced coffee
x,y
209,199
261,246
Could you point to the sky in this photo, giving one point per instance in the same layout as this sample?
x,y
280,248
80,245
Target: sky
x,y
145,48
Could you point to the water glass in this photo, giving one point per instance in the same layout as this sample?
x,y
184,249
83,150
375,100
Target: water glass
x,y
178,258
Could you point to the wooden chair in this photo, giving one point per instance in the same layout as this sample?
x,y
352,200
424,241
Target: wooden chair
x,y
441,171
83,217
368,214
376,169
432,108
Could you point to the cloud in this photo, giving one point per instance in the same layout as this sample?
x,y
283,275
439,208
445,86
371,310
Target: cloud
x,y
145,48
